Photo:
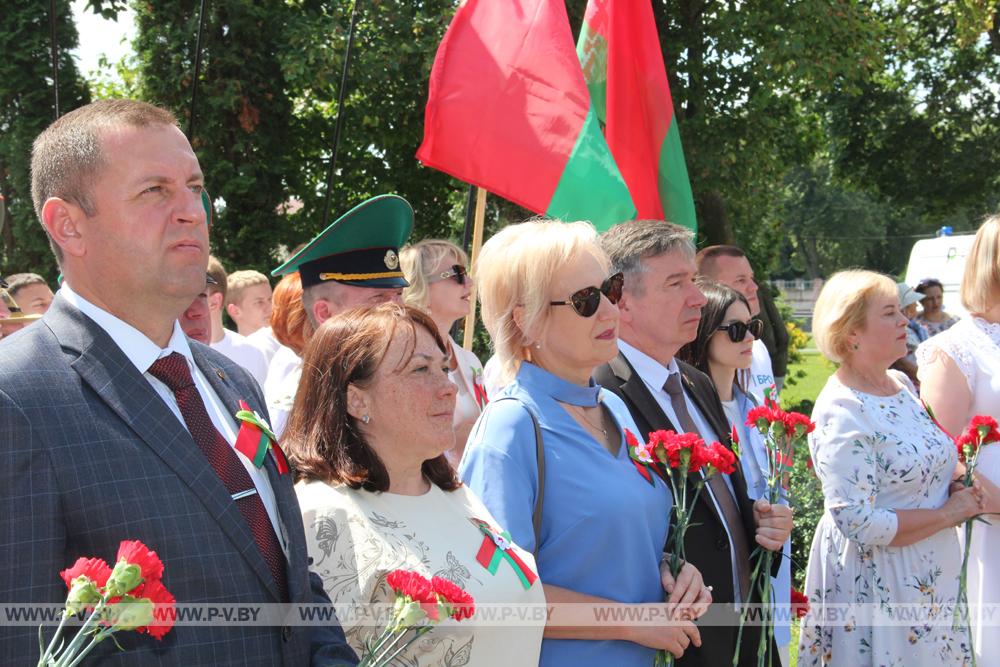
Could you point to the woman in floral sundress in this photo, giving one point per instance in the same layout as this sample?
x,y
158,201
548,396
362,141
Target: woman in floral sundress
x,y
883,569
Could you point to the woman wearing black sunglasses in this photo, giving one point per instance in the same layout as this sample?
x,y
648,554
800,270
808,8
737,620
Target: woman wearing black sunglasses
x,y
723,350
548,456
441,287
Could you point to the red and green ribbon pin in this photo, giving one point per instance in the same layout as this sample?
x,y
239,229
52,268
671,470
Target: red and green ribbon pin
x,y
497,547
256,438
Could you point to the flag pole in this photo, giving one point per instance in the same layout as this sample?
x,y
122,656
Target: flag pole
x,y
477,243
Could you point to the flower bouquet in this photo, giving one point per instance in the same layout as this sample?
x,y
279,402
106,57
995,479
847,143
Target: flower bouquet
x,y
675,456
982,430
783,432
128,597
419,604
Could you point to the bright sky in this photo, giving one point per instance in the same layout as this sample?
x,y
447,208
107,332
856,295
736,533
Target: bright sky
x,y
98,36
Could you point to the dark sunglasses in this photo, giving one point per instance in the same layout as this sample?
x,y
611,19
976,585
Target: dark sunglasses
x,y
738,330
457,273
586,301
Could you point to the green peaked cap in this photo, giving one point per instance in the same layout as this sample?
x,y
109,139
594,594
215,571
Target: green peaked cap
x,y
359,248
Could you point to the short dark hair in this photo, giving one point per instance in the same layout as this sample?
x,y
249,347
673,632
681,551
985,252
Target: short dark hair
x,y
921,287
18,280
705,259
718,299
66,157
322,439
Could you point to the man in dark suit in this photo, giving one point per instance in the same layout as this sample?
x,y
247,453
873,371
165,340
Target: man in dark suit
x,y
114,426
660,309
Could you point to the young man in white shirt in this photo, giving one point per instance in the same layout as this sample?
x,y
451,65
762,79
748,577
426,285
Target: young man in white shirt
x,y
230,343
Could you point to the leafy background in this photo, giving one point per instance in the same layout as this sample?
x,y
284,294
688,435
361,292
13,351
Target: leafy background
x,y
818,133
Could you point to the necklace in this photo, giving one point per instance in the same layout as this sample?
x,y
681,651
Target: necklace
x,y
596,427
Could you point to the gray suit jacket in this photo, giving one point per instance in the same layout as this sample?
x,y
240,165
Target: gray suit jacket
x,y
90,455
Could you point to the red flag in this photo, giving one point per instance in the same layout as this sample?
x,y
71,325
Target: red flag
x,y
620,53
508,110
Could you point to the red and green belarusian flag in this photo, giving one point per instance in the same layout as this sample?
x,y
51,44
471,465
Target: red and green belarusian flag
x,y
508,110
623,65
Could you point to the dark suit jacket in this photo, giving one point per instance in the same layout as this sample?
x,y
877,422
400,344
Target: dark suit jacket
x,y
706,542
90,455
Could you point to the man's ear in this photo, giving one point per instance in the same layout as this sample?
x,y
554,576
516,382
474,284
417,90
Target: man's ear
x,y
233,310
66,223
215,302
322,311
625,308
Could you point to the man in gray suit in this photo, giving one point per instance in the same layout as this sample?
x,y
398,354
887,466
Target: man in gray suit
x,y
114,426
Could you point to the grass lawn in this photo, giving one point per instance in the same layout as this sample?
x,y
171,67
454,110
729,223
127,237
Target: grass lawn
x,y
809,378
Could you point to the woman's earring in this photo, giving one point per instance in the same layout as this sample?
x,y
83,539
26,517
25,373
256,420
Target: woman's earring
x,y
855,347
365,419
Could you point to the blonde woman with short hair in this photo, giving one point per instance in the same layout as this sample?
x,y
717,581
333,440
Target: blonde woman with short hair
x,y
440,285
959,373
886,540
549,303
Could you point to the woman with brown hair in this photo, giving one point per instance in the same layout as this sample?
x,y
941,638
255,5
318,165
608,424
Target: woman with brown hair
x,y
291,328
367,434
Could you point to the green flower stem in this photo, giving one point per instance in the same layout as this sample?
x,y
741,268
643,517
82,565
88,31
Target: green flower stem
x,y
50,650
962,602
743,613
376,648
78,640
422,630
98,638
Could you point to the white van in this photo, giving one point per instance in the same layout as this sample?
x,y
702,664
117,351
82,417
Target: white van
x,y
942,258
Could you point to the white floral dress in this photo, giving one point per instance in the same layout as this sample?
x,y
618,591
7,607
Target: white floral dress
x,y
873,604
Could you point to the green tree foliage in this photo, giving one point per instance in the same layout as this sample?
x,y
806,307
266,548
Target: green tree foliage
x,y
27,106
797,118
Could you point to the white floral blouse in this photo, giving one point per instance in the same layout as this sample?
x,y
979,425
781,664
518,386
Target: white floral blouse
x,y
356,537
871,603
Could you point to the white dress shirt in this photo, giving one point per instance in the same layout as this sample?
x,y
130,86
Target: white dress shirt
x,y
654,376
142,352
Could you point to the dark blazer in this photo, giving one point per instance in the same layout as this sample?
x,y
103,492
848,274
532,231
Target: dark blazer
x,y
91,455
706,542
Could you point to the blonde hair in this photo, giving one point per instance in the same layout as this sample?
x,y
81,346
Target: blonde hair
x,y
842,307
239,281
516,268
981,281
418,260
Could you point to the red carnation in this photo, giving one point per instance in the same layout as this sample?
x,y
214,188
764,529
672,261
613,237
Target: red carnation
x,y
417,588
164,608
721,458
797,424
984,427
674,448
137,553
800,603
92,568
967,444
762,416
460,603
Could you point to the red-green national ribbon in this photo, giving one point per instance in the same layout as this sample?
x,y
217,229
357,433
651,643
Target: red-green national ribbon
x,y
497,547
255,439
